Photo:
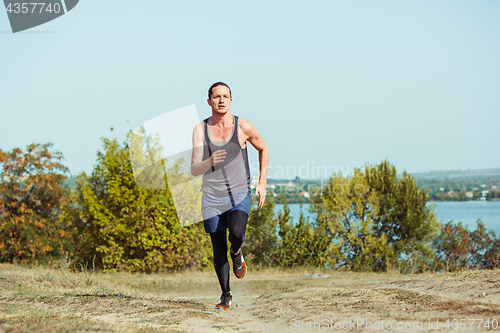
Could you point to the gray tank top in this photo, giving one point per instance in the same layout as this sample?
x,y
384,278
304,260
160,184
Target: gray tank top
x,y
233,174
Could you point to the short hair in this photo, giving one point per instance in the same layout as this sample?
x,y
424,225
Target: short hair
x,y
216,84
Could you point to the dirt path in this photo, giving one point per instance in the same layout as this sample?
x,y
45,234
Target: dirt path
x,y
243,316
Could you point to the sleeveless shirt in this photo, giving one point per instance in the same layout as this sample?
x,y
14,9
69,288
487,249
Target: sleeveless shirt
x,y
233,174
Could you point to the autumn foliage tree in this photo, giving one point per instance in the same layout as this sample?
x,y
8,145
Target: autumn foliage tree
x,y
458,248
31,199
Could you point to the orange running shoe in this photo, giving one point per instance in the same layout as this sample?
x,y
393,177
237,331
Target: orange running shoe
x,y
224,302
239,265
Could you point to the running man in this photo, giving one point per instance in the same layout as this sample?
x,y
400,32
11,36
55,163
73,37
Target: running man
x,y
220,155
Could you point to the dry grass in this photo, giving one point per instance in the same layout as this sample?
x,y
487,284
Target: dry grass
x,y
48,300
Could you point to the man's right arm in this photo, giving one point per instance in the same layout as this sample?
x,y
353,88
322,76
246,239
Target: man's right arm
x,y
198,166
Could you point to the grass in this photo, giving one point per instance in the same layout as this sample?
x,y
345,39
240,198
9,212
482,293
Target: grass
x,y
19,318
47,300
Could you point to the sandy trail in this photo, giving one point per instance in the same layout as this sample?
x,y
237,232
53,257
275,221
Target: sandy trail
x,y
243,316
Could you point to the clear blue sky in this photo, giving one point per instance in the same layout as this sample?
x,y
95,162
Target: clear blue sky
x,y
327,83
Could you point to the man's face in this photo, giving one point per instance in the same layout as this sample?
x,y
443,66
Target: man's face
x,y
220,100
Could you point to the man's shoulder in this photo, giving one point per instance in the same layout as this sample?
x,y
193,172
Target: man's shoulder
x,y
199,126
198,130
245,125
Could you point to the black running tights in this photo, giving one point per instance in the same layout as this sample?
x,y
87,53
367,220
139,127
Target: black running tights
x,y
237,222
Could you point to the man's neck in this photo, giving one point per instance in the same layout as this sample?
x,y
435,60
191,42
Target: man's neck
x,y
222,120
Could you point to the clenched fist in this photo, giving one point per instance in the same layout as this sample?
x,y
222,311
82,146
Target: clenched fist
x,y
217,157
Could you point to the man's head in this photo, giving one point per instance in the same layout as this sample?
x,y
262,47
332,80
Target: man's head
x,y
219,97
217,84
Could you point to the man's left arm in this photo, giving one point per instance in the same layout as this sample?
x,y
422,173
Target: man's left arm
x,y
256,140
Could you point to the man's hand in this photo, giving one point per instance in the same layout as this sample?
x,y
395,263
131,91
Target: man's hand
x,y
217,157
260,190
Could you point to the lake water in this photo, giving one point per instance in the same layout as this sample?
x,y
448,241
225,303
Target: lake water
x,y
466,212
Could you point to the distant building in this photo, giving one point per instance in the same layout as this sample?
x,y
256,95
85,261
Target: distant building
x,y
469,194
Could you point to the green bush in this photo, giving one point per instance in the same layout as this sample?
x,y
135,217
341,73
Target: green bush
x,y
126,227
